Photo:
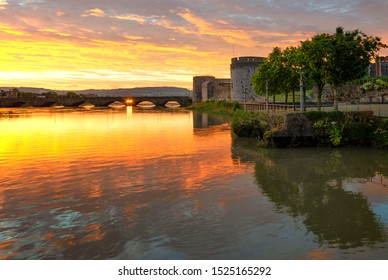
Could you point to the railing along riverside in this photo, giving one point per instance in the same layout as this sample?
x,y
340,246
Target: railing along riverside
x,y
262,107
379,109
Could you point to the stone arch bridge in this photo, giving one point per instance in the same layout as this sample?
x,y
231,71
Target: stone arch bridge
x,y
97,101
158,100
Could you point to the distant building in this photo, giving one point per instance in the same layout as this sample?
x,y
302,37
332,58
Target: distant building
x,y
210,88
241,72
13,93
379,68
237,88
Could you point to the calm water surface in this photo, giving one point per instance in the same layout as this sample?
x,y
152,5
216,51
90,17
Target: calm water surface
x,y
138,184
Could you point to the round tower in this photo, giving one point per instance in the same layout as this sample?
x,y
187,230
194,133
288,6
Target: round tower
x,y
241,72
197,86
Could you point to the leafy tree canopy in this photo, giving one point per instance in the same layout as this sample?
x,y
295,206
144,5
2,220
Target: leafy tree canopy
x,y
333,59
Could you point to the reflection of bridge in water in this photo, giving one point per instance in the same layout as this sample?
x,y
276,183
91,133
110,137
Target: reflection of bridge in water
x,y
97,101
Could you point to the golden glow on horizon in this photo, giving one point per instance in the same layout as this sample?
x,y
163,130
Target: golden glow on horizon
x,y
61,64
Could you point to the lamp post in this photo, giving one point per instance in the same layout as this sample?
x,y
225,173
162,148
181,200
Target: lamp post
x,y
301,98
266,96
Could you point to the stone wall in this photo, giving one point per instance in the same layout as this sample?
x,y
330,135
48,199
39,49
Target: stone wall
x,y
222,89
210,88
197,87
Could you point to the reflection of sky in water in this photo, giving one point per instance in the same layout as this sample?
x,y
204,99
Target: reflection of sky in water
x,y
138,185
381,210
377,192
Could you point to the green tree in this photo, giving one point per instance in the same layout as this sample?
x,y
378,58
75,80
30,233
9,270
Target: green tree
x,y
334,59
24,94
293,61
313,60
272,74
50,94
71,94
348,56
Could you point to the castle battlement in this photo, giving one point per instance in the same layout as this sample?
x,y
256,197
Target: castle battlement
x,y
246,60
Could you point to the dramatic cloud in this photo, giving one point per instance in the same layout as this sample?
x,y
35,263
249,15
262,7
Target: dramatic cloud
x,y
145,42
3,4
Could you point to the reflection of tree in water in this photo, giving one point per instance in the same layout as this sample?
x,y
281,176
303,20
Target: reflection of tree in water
x,y
308,183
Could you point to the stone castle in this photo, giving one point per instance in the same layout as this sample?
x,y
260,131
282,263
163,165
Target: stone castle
x,y
237,88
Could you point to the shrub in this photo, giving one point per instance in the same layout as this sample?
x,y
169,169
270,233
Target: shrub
x,y
236,106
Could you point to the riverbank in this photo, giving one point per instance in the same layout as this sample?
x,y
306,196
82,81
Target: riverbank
x,y
313,128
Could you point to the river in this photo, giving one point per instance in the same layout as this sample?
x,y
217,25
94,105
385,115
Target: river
x,y
173,184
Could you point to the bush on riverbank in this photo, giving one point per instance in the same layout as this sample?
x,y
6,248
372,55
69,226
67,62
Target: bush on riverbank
x,y
232,109
335,129
313,128
349,129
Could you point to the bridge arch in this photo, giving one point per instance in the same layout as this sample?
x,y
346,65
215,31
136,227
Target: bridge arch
x,y
146,103
172,104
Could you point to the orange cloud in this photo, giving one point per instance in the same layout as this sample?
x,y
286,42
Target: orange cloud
x,y
132,17
96,12
56,32
10,30
3,4
59,13
205,27
235,35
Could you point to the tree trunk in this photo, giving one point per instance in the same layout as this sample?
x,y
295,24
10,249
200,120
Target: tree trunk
x,y
319,100
293,98
286,98
274,101
335,96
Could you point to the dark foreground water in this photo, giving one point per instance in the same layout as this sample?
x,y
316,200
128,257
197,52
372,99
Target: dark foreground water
x,y
135,184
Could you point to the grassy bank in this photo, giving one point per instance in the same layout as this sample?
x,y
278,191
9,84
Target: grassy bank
x,y
218,107
244,123
225,108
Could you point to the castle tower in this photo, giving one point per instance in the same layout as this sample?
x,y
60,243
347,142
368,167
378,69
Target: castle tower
x,y
241,72
197,86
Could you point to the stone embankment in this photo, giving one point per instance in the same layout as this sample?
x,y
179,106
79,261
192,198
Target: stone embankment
x,y
317,129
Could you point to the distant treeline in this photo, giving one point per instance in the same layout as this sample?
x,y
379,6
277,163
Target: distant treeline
x,y
49,94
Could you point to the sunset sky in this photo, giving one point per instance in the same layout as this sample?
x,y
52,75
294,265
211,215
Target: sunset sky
x,y
100,44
